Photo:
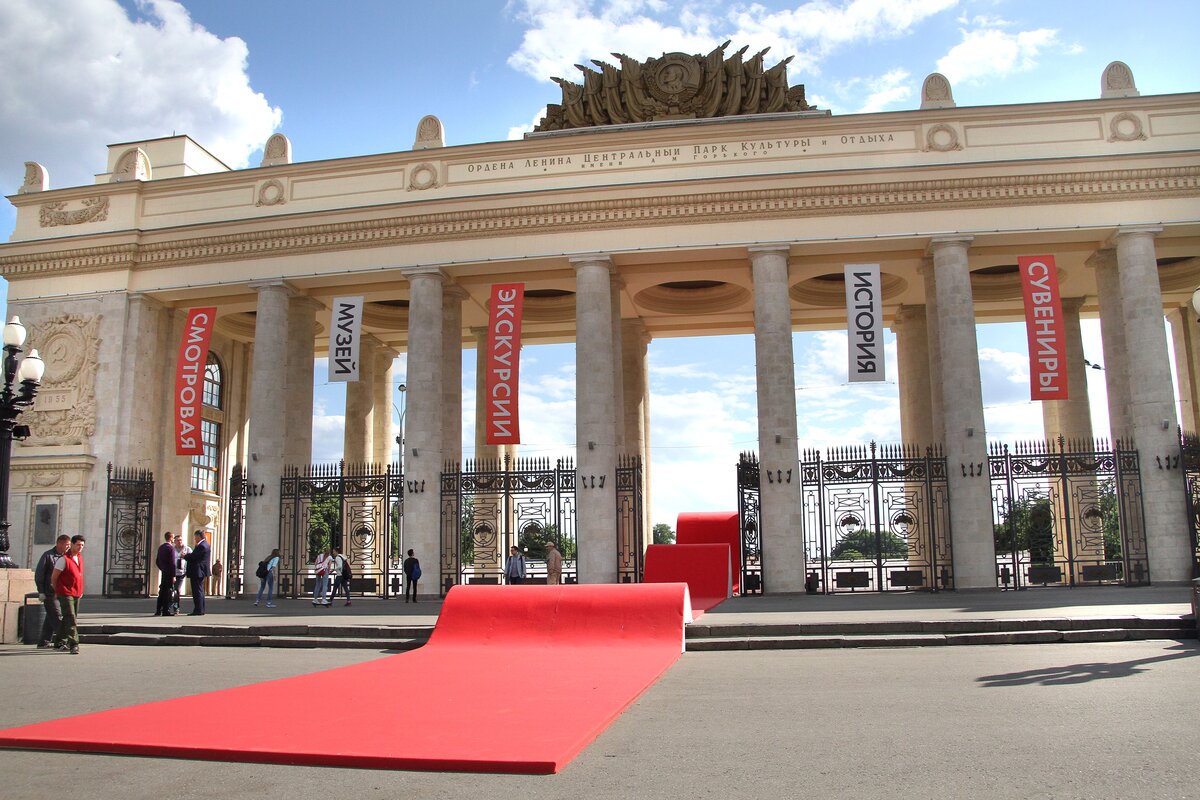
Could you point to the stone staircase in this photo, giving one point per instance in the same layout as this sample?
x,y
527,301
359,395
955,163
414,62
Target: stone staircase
x,y
700,637
768,636
394,638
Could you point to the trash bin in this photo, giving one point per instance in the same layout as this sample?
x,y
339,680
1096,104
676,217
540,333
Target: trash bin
x,y
33,614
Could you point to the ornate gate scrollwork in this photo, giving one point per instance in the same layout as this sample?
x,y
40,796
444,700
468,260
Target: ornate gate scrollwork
x,y
127,532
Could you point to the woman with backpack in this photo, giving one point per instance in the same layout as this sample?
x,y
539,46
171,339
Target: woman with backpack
x,y
267,570
341,572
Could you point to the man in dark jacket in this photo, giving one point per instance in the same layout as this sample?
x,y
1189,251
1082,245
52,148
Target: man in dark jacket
x,y
165,561
41,576
199,567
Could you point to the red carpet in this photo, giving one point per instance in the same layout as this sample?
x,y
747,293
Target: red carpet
x,y
705,568
514,679
713,527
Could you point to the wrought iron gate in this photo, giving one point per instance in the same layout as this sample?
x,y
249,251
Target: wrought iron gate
x,y
876,519
1189,457
1067,514
749,523
128,532
490,506
356,507
235,530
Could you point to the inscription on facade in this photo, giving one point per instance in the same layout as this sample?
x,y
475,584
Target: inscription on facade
x,y
641,157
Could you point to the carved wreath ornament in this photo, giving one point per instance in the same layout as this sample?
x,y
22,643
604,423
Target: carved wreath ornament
x,y
675,86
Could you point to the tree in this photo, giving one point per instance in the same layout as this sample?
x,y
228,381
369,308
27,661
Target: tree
x,y
663,534
1031,519
862,543
533,539
324,523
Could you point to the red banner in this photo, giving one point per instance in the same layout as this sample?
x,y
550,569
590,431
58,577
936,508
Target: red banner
x,y
189,380
503,363
1044,326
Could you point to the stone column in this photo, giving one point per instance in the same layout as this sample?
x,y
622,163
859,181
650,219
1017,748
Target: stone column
x,y
933,350
1071,418
383,396
1152,405
912,368
452,433
302,333
268,427
775,375
618,367
423,429
1185,334
636,392
1112,334
357,436
963,431
595,420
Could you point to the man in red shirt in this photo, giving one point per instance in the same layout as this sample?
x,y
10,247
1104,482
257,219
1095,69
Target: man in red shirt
x,y
67,582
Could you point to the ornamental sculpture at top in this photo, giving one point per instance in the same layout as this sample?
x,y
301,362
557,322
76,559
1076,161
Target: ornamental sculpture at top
x,y
675,86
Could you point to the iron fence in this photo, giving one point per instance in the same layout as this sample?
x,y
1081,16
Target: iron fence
x,y
128,521
1189,459
1067,513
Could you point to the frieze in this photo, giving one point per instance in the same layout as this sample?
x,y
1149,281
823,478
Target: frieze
x,y
643,157
95,209
70,346
883,197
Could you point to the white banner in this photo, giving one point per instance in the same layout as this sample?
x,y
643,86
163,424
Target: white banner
x,y
345,323
864,314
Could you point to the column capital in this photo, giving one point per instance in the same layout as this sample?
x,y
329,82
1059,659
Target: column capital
x,y
782,248
907,312
304,302
1105,257
452,291
478,330
1135,230
423,272
635,327
1072,305
274,283
142,298
962,240
599,259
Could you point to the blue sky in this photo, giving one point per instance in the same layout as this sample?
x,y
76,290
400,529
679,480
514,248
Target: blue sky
x,y
353,78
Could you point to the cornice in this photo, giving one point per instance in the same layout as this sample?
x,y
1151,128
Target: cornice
x,y
684,209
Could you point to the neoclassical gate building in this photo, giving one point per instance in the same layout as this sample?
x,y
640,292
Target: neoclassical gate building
x,y
659,209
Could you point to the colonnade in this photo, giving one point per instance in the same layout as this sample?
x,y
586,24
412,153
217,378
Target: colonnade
x,y
940,397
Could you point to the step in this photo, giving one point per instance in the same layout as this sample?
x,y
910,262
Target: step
x,y
1181,624
232,639
809,642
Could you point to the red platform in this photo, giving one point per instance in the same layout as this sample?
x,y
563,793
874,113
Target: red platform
x,y
713,527
514,679
705,568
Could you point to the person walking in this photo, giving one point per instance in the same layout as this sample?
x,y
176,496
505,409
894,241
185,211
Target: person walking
x,y
321,567
553,565
412,574
199,567
514,568
267,580
67,582
181,550
165,561
42,576
341,573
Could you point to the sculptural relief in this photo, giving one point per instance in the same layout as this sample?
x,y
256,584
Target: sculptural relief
x,y
95,209
133,165
36,178
70,346
674,86
278,150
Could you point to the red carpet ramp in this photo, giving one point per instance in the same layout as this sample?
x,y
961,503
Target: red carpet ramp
x,y
705,568
713,527
515,679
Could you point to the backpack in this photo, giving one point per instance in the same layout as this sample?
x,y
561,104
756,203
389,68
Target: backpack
x,y
262,570
416,571
345,568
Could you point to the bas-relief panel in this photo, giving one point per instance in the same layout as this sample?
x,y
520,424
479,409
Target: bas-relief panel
x,y
64,412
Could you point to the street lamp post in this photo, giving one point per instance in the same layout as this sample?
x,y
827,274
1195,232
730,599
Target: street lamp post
x,y
12,403
402,389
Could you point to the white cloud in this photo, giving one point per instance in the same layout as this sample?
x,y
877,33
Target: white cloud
x,y
562,34
75,72
886,90
991,53
519,131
